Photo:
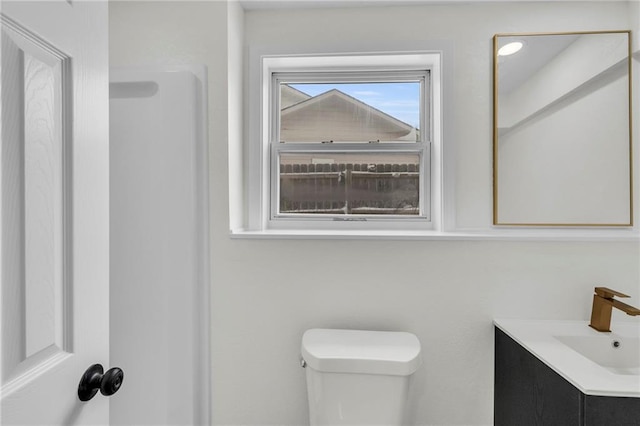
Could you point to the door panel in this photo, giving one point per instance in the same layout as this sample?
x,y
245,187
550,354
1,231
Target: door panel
x,y
36,197
54,209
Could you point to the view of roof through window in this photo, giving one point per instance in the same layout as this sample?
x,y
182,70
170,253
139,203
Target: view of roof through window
x,y
350,112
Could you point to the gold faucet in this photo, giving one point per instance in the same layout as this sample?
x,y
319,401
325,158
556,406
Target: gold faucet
x,y
603,304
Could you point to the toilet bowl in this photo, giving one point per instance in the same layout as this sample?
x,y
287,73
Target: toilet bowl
x,y
357,377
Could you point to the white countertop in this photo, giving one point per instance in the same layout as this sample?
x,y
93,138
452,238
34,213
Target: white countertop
x,y
540,337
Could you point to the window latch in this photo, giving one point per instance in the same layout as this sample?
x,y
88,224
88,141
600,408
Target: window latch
x,y
327,141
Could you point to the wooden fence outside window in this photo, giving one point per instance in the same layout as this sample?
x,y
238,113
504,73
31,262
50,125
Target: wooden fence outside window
x,y
363,189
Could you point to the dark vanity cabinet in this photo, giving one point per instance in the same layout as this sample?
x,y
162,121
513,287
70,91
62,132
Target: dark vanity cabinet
x,y
528,392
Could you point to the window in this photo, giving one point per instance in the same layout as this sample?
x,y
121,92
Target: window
x,y
348,141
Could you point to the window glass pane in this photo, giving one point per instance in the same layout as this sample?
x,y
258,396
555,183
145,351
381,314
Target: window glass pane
x,y
350,112
349,183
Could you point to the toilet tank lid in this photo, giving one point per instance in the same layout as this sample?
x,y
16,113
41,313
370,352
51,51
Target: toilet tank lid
x,y
360,351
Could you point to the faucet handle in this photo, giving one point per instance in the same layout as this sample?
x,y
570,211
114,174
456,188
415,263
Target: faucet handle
x,y
607,293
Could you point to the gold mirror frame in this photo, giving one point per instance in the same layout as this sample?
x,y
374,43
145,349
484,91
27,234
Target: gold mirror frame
x,y
496,131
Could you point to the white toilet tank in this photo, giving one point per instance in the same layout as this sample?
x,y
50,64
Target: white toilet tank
x,y
357,377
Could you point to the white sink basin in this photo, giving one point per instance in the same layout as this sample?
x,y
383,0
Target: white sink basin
x,y
620,355
586,358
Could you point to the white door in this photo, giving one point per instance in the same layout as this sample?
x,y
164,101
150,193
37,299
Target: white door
x,y
54,209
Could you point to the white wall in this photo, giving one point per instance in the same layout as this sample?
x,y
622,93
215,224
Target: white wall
x,y
158,246
265,293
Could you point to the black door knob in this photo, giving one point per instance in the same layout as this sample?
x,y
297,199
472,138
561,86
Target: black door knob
x,y
95,379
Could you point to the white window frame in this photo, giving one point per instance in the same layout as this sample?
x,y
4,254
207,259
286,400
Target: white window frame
x,y
263,180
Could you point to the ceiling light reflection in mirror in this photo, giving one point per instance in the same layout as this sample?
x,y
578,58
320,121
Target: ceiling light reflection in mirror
x,y
510,48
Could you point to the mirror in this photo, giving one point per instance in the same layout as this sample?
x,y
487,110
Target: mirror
x,y
562,129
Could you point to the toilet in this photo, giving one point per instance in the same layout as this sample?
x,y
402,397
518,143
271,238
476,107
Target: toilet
x,y
357,377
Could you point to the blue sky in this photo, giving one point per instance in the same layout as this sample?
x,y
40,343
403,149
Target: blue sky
x,y
400,100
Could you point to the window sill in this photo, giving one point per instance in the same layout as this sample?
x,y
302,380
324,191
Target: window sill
x,y
491,234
